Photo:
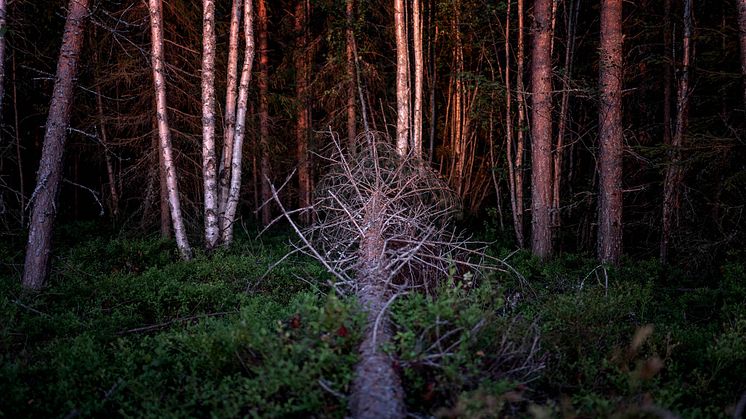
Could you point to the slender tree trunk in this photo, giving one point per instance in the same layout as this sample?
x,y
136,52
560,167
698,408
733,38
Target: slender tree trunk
x,y
303,123
263,82
508,130
742,39
674,171
562,124
667,70
351,112
226,227
432,30
39,247
107,154
16,132
164,134
610,134
419,71
209,162
402,78
520,135
165,217
541,130
230,113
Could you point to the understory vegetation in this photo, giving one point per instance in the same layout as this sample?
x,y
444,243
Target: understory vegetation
x,y
127,329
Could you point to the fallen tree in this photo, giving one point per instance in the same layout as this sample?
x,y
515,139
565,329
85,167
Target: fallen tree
x,y
383,228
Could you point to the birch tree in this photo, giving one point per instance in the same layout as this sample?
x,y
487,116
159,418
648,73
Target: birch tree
x,y
402,78
164,133
49,176
209,163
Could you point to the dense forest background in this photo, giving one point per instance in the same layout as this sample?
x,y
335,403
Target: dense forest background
x,y
582,155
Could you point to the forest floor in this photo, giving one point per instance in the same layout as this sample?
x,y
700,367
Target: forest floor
x,y
126,329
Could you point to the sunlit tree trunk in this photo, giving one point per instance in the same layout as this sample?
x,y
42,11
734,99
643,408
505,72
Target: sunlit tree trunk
x,y
351,111
49,176
209,162
742,39
610,134
674,170
229,219
419,72
229,132
303,116
402,78
263,82
164,134
541,130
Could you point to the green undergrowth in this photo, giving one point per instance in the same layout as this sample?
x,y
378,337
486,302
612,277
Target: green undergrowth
x,y
125,329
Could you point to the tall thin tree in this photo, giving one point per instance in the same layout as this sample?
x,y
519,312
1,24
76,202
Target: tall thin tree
x,y
541,129
164,132
742,41
402,78
263,83
419,73
674,170
209,162
49,176
231,206
302,63
610,134
350,39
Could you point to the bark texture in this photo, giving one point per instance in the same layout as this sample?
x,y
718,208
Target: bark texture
x,y
231,93
419,73
263,83
674,170
49,176
610,134
303,125
164,133
350,50
209,162
541,130
402,78
229,218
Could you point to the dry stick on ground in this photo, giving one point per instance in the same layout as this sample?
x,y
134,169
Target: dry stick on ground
x,y
383,228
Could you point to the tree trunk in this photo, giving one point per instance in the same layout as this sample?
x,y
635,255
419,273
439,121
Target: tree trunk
x,y
674,170
519,147
610,134
742,39
164,134
351,112
229,219
263,82
419,71
3,31
402,78
38,249
107,154
163,186
231,94
303,118
667,70
209,163
541,130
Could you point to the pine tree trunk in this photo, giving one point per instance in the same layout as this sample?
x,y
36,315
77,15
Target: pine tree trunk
x,y
351,112
231,94
263,82
303,124
518,222
402,78
209,162
541,130
234,195
49,177
164,134
610,134
674,170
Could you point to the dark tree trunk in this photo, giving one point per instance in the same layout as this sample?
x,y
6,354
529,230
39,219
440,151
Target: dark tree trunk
x,y
541,130
742,39
667,70
302,127
263,83
610,134
44,211
351,111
